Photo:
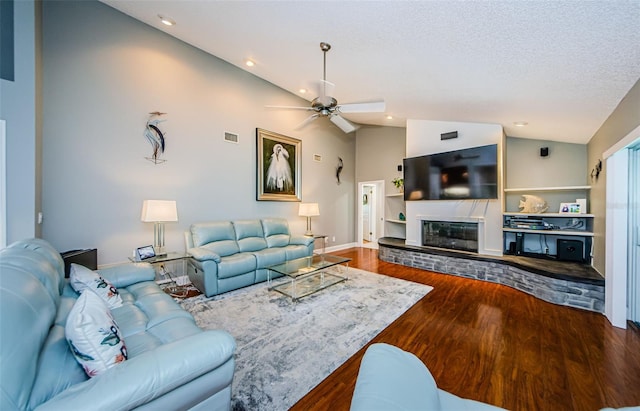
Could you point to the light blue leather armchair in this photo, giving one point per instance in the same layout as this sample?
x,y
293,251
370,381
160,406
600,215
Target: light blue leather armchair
x,y
227,255
172,364
391,379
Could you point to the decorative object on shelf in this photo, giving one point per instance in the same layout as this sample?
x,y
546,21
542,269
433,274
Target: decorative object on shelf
x,y
339,170
402,217
155,136
279,166
570,208
532,204
159,212
595,172
399,183
308,210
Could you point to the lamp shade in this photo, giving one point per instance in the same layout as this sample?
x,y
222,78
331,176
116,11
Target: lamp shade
x,y
159,211
308,209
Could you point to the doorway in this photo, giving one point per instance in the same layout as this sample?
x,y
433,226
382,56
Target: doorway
x,y
370,213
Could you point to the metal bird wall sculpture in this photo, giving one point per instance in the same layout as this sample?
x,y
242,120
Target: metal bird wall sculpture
x,y
155,136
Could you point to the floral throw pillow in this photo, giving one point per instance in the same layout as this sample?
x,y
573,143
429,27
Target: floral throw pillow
x,y
93,335
83,278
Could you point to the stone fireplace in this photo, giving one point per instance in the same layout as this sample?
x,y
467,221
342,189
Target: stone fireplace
x,y
454,235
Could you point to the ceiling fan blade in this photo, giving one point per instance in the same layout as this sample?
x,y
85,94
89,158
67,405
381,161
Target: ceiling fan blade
x,y
372,107
324,91
290,108
307,121
344,124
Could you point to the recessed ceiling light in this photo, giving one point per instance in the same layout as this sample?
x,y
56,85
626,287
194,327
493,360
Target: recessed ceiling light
x,y
389,117
520,123
249,63
302,90
166,20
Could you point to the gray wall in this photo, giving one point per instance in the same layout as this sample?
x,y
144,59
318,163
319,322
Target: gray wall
x,y
103,73
379,151
624,119
18,106
565,165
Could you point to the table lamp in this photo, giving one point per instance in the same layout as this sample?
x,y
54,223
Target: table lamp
x,y
159,212
308,210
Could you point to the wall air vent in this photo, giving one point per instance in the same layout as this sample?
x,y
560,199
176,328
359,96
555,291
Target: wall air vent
x,y
317,157
231,137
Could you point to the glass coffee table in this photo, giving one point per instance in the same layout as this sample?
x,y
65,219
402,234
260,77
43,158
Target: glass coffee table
x,y
309,275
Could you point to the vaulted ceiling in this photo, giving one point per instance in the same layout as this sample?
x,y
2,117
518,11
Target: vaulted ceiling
x,y
560,66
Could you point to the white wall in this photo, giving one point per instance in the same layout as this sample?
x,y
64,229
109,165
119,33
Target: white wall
x,y
103,73
18,108
423,137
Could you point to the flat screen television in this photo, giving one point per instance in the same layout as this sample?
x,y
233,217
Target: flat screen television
x,y
467,174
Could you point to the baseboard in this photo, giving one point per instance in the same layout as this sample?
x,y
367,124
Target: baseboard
x,y
340,247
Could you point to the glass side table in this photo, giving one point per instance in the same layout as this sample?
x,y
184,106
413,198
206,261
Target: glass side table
x,y
166,266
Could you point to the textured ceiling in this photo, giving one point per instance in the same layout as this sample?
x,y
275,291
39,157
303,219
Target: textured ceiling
x,y
560,66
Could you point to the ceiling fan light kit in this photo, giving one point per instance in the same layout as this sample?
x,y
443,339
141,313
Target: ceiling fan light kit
x,y
325,105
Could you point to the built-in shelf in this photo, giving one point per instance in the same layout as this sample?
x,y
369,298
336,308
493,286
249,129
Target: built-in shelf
x,y
565,188
394,207
542,215
549,232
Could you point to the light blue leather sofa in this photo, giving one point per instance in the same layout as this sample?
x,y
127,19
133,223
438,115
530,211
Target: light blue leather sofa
x,y
172,364
391,379
227,255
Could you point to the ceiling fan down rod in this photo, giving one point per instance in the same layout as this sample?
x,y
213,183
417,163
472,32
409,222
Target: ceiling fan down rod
x,y
324,47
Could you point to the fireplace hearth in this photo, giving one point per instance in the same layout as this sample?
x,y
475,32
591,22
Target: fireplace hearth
x,y
451,235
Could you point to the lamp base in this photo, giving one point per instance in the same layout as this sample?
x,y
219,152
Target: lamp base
x,y
308,234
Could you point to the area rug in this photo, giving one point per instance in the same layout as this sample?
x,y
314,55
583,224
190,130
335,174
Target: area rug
x,y
285,349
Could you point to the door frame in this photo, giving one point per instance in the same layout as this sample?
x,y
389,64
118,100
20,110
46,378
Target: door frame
x,y
616,233
377,209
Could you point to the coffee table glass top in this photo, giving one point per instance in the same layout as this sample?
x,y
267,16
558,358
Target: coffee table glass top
x,y
309,275
308,265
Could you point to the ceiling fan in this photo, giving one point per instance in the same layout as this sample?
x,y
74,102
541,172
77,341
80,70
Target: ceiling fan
x,y
324,105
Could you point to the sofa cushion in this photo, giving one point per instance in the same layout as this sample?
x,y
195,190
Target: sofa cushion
x,y
276,232
82,279
269,257
236,264
249,235
57,368
93,335
217,236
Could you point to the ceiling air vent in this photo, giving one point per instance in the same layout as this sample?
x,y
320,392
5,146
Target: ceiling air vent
x,y
231,137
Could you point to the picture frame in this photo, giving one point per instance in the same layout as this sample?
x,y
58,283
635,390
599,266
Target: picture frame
x,y
570,208
145,253
278,166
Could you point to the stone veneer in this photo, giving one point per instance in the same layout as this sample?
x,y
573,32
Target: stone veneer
x,y
575,294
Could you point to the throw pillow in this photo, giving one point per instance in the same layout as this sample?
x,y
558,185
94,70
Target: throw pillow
x,y
83,278
93,335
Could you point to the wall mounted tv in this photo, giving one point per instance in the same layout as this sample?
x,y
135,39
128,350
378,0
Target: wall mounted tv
x,y
466,174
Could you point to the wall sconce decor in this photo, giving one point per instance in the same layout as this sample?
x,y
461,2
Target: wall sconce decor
x,y
155,136
595,172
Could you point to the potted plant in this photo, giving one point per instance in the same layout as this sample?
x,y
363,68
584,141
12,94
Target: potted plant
x,y
399,183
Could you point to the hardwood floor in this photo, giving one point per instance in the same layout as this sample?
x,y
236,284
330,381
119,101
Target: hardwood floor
x,y
494,344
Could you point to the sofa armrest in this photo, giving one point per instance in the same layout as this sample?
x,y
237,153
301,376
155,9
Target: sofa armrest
x,y
148,376
301,240
126,274
202,254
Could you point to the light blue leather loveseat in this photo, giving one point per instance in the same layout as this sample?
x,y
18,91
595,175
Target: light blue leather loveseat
x,y
227,255
391,379
172,364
